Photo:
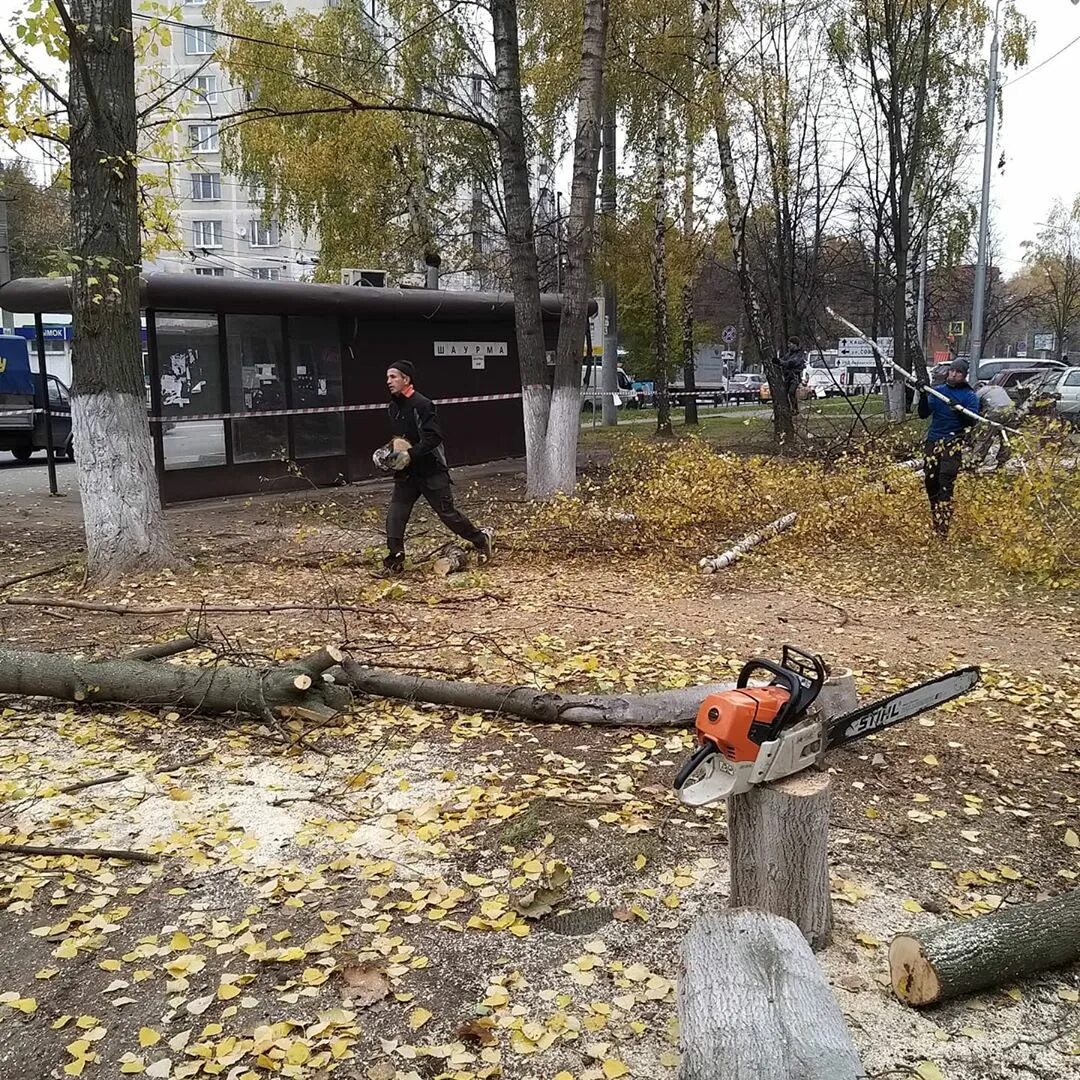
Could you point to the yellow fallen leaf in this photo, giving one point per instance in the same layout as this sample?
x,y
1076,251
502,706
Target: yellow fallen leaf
x,y
1071,839
132,1066
418,1018
75,1068
613,1067
931,760
1008,873
148,1037
1066,993
928,1070
180,942
913,906
639,862
24,1005
179,794
46,973
227,991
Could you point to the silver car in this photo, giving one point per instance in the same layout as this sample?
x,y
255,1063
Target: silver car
x,y
1068,391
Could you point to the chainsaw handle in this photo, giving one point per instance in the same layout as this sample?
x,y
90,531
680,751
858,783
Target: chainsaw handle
x,y
787,679
700,755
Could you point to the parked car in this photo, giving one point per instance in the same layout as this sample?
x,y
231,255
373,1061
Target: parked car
x,y
745,386
991,367
1068,391
22,405
591,393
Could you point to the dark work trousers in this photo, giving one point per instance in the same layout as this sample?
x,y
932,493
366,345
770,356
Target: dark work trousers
x,y
436,489
941,466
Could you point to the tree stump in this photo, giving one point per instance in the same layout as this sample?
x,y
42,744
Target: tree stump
x,y
960,957
778,837
754,1004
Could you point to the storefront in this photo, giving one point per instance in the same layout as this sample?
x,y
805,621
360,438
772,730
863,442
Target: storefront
x,y
260,385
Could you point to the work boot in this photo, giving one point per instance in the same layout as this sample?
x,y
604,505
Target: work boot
x,y
485,545
394,563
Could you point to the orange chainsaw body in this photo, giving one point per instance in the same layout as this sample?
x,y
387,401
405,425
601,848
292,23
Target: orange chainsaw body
x,y
728,718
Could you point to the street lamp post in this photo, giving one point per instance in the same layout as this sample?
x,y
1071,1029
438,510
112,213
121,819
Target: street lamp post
x,y
979,302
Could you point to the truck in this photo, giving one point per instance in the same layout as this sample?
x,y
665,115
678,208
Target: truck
x,y
712,367
591,394
22,404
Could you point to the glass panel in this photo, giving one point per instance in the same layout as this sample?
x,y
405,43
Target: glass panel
x,y
1073,379
315,348
190,369
256,384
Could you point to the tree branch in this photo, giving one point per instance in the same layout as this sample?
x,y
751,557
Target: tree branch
x,y
39,79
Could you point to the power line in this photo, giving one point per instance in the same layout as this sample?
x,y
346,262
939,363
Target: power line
x,y
1031,71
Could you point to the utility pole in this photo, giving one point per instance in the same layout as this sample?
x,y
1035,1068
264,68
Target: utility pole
x,y
979,301
5,256
609,369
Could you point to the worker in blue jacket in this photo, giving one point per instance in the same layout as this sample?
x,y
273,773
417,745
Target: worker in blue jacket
x,y
944,440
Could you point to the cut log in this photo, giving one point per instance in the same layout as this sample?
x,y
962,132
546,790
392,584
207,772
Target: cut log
x,y
778,836
754,1004
162,650
667,708
961,957
778,839
254,691
452,561
710,565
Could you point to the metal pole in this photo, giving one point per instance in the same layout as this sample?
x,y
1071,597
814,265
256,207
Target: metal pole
x,y
6,317
43,375
979,302
609,380
921,317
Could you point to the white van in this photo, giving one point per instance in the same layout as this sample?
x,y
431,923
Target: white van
x,y
591,391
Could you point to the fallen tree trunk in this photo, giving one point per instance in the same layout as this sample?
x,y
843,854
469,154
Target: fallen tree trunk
x,y
748,542
224,689
320,686
961,957
754,1004
666,708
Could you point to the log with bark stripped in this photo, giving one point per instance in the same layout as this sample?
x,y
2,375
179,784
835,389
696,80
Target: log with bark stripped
x,y
961,957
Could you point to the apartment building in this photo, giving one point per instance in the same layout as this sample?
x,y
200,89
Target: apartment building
x,y
224,231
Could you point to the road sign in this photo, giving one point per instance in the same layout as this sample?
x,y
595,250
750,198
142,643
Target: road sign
x,y
856,347
729,334
1021,348
1044,342
957,327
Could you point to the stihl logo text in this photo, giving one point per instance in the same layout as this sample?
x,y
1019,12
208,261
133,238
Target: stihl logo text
x,y
881,717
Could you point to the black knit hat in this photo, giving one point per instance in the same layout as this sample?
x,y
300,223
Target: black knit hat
x,y
406,368
960,364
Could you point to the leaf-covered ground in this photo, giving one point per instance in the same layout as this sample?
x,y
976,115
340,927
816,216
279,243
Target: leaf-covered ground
x,y
420,892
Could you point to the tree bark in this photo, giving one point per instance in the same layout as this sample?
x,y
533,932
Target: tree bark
x,y
962,957
609,381
524,274
581,220
690,413
778,838
754,1004
252,691
126,528
659,269
666,708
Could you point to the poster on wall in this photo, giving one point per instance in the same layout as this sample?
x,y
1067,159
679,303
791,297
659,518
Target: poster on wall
x,y
182,378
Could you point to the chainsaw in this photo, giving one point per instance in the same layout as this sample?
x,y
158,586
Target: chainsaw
x,y
755,734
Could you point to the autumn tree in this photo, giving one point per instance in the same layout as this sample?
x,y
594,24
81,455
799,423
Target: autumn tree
x,y
1053,260
39,221
95,123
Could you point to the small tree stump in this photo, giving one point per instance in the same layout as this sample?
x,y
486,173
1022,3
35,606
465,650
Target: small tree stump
x,y
754,1004
778,837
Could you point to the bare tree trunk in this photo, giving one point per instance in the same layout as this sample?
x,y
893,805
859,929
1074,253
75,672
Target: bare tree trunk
x,y
689,382
783,421
125,524
566,396
608,204
659,270
528,324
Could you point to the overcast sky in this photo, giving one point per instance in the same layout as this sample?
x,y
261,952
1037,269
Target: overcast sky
x,y
1038,136
1039,130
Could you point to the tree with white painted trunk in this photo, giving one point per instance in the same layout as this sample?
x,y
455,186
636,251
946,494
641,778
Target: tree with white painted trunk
x,y
125,524
551,403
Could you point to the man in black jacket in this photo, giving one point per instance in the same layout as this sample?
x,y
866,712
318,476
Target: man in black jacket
x,y
421,469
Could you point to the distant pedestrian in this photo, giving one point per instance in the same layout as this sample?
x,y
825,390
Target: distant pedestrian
x,y
792,366
417,459
944,440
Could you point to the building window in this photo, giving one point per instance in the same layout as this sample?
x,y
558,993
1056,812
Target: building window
x,y
205,89
206,187
266,273
206,234
264,233
199,40
256,384
210,271
315,352
189,366
203,138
